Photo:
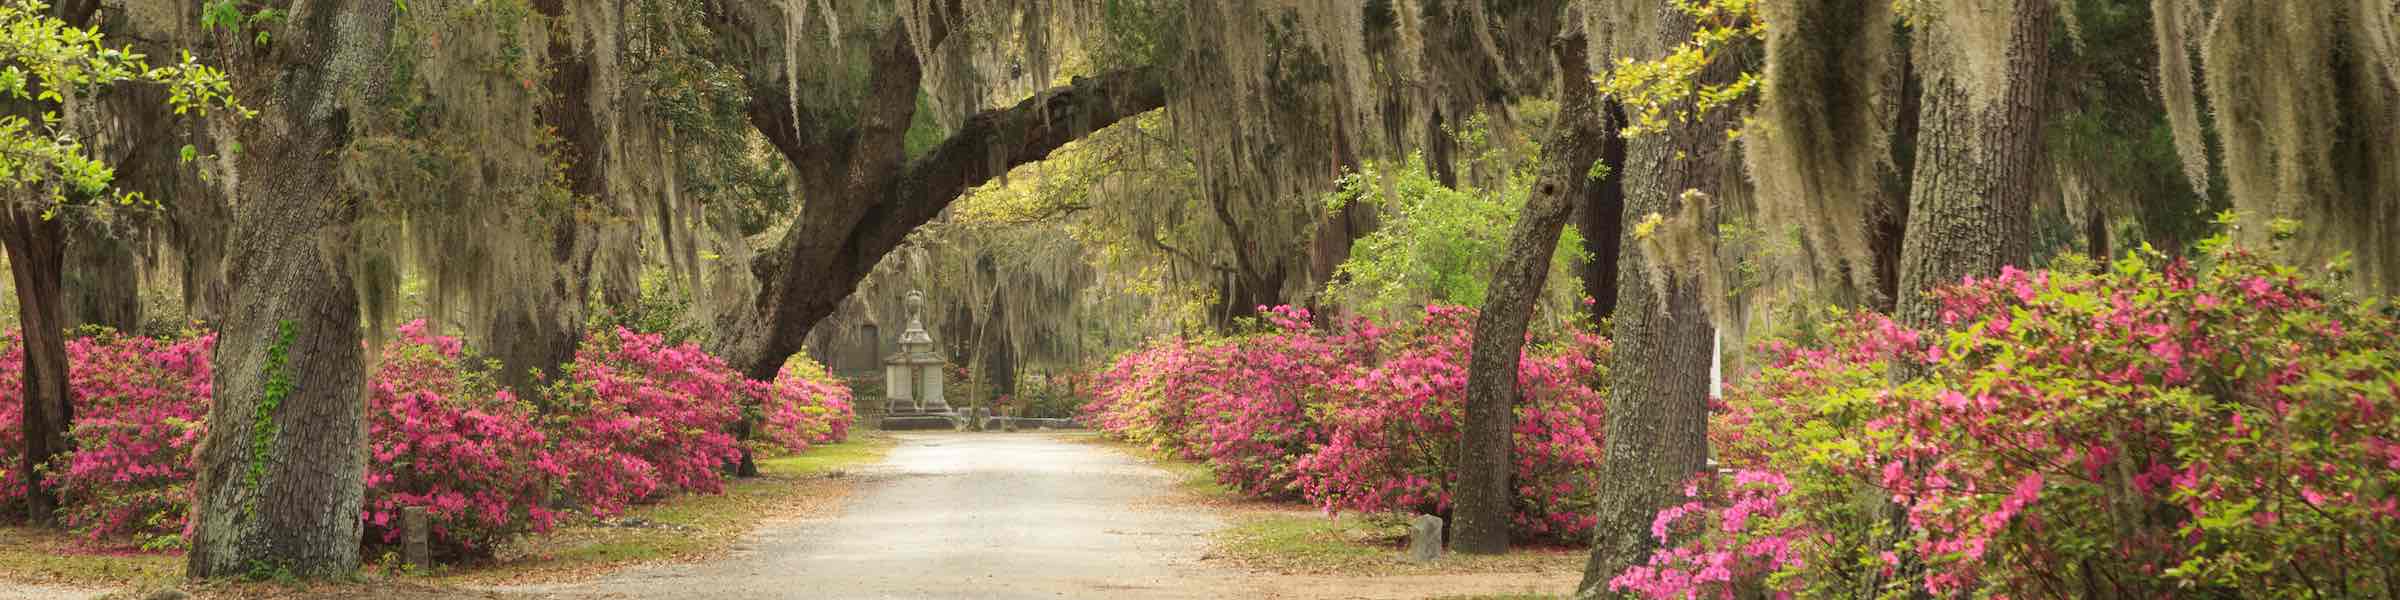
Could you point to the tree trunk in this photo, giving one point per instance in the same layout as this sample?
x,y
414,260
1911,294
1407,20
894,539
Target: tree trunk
x,y
105,287
1601,219
1485,498
534,337
1438,152
1658,409
36,259
282,469
36,248
1970,207
1971,204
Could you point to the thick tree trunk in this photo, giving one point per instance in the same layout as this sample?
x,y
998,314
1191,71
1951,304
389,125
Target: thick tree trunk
x,y
1601,219
105,287
282,469
1970,207
1483,493
1658,410
1971,204
36,258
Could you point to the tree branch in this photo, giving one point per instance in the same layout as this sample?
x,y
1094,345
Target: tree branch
x,y
993,142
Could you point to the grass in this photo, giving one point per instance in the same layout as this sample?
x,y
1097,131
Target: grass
x,y
684,527
32,555
1296,539
1305,542
687,527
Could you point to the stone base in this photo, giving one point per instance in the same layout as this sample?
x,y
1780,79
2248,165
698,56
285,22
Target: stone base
x,y
918,422
1000,423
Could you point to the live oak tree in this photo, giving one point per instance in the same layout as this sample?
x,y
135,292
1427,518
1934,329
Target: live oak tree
x,y
1657,422
282,467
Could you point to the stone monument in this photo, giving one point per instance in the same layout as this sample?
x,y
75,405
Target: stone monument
x,y
913,378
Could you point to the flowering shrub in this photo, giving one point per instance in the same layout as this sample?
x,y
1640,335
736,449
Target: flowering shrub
x,y
2154,431
12,423
635,418
440,436
139,407
1359,417
1394,427
805,406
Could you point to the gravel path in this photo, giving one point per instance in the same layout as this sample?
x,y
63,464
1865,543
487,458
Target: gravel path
x,y
1002,516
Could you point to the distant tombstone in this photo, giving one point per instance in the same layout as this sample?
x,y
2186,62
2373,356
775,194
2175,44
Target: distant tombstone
x,y
1425,538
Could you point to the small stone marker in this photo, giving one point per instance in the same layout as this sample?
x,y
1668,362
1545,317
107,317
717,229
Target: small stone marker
x,y
1425,538
416,529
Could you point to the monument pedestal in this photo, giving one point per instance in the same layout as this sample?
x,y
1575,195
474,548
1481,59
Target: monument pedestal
x,y
913,379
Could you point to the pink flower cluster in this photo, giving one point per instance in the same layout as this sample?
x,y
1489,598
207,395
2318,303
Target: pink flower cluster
x,y
2157,430
445,439
639,418
1359,417
804,406
139,404
634,419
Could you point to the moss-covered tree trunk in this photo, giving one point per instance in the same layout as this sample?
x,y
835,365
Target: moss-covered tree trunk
x,y
104,286
1601,219
1971,202
535,334
1658,391
1485,498
36,252
282,469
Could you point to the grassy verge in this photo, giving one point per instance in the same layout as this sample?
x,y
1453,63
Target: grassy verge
x,y
1365,545
1292,538
45,556
688,527
681,528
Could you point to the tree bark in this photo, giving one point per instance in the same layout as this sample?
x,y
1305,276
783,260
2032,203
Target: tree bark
x,y
534,337
1601,219
1658,410
36,251
1971,203
1970,206
282,468
1483,493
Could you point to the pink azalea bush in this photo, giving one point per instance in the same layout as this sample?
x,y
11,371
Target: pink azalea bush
x,y
1393,428
636,418
139,405
12,423
441,436
2158,430
804,406
1359,417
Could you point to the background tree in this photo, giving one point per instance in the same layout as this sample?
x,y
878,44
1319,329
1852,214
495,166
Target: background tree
x,y
57,62
1484,493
